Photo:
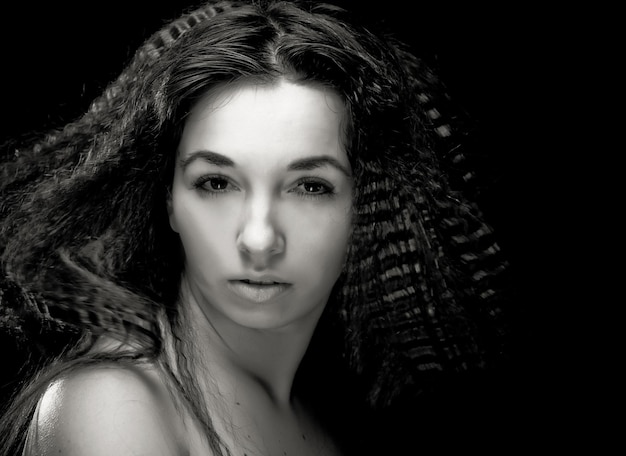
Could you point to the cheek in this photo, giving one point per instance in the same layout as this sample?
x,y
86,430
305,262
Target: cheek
x,y
326,244
204,234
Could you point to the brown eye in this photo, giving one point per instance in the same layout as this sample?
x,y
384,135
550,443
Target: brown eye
x,y
217,183
213,185
314,187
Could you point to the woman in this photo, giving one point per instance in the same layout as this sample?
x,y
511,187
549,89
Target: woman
x,y
249,240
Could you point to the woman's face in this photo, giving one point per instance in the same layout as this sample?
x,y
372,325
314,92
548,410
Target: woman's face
x,y
262,201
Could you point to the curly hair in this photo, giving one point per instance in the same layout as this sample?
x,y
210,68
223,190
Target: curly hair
x,y
84,226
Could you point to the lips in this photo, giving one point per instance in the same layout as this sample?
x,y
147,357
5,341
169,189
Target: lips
x,y
258,290
260,282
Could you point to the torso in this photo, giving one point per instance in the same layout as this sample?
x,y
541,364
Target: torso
x,y
256,429
259,428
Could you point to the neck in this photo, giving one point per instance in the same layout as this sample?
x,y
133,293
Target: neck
x,y
250,360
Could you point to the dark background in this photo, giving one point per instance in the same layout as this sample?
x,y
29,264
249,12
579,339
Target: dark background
x,y
503,65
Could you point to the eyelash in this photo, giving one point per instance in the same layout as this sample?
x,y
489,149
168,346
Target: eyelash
x,y
326,191
201,182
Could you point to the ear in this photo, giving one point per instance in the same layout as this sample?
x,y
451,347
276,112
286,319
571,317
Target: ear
x,y
170,211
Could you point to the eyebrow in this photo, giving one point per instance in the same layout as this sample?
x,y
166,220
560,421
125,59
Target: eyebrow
x,y
211,157
319,161
303,164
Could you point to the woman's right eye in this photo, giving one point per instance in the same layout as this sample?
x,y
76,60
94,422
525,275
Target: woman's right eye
x,y
217,183
213,184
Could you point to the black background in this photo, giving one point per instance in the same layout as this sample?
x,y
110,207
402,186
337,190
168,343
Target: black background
x,y
503,64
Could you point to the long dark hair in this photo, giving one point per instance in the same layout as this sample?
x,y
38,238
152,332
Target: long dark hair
x,y
84,226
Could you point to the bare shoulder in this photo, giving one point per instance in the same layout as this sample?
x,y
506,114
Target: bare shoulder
x,y
106,410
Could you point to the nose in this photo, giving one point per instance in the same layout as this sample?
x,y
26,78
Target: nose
x,y
259,239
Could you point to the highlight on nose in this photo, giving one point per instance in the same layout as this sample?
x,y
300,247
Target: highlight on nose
x,y
259,239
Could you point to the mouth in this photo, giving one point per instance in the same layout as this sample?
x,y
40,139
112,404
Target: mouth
x,y
261,282
258,291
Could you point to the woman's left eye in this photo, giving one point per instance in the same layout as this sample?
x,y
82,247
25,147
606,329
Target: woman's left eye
x,y
313,188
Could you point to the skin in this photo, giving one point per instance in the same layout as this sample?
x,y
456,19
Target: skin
x,y
262,191
257,217
262,217
275,203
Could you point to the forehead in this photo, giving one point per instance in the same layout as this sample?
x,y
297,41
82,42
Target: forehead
x,y
281,119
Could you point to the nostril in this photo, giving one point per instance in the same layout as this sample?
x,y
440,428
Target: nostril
x,y
259,240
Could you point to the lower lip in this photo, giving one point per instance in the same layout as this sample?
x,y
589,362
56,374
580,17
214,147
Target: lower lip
x,y
257,293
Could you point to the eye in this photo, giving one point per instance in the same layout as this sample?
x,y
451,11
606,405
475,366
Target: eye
x,y
217,183
214,184
313,188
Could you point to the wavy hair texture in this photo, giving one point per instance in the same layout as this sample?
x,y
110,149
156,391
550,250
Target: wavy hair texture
x,y
85,234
